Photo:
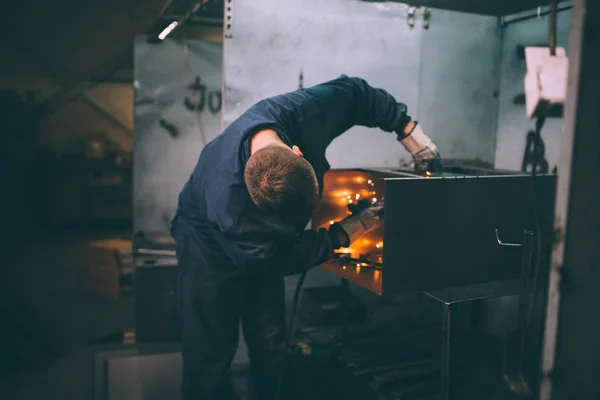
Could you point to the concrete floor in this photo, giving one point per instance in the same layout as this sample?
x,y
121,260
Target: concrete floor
x,y
50,318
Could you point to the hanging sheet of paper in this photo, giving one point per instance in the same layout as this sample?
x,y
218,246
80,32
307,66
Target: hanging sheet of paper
x,y
546,79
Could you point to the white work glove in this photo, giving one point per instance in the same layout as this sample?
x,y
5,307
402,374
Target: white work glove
x,y
357,225
425,153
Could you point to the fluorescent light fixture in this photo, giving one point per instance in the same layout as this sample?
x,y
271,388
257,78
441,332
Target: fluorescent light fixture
x,y
167,30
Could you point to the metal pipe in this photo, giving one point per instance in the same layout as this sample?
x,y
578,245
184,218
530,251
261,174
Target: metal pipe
x,y
164,9
196,20
552,28
533,14
193,10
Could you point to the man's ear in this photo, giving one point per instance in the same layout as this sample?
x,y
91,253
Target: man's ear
x,y
297,151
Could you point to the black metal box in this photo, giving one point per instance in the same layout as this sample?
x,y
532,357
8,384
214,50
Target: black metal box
x,y
445,231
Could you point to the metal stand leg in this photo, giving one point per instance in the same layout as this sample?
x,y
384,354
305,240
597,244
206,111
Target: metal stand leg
x,y
515,347
445,356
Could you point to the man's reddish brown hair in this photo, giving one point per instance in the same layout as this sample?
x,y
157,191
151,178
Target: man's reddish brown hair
x,y
279,180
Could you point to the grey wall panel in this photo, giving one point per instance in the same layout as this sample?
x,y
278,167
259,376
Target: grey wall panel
x,y
513,123
272,42
448,74
458,102
162,161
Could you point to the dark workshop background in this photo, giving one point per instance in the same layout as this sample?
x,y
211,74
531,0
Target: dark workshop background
x,y
81,86
67,122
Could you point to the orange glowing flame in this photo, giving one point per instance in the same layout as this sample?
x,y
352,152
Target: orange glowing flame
x,y
343,251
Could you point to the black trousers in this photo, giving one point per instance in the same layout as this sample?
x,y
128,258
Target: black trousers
x,y
213,298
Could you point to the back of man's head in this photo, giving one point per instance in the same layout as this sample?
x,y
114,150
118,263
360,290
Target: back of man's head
x,y
279,180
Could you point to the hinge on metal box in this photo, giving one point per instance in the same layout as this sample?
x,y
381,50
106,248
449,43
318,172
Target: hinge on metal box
x,y
228,17
426,18
410,18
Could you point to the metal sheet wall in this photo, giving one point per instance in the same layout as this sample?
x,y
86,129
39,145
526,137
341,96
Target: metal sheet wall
x,y
174,117
321,40
448,79
458,105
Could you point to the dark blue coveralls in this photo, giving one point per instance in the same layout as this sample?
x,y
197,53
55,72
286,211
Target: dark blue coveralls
x,y
233,257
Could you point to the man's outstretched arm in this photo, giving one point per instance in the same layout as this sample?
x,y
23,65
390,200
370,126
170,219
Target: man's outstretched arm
x,y
346,101
287,253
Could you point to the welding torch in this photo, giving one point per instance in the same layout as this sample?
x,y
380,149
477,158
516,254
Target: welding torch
x,y
363,204
365,217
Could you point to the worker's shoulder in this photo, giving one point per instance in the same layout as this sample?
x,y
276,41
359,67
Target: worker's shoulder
x,y
224,202
220,188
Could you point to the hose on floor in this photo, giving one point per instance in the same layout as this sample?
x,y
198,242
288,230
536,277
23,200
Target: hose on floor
x,y
290,333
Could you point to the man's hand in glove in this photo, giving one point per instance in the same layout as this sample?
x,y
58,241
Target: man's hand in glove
x,y
425,153
361,223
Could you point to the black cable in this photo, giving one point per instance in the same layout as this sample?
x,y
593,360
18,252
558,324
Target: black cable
x,y
539,123
538,225
289,334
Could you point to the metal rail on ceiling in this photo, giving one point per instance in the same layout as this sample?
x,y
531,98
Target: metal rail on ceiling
x,y
541,11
